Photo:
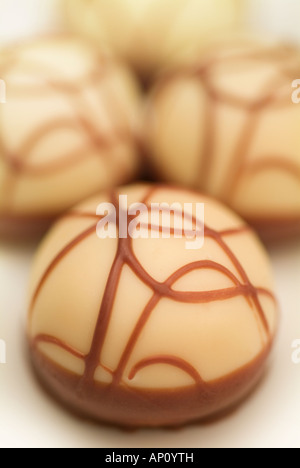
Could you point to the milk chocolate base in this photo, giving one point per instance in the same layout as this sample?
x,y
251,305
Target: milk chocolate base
x,y
24,228
131,408
276,229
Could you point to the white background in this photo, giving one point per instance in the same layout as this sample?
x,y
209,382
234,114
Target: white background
x,y
28,418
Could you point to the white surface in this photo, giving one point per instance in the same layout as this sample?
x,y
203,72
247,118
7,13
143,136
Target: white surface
x,y
278,17
29,418
23,18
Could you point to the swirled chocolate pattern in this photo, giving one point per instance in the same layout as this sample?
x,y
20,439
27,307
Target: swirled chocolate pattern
x,y
233,119
169,321
69,127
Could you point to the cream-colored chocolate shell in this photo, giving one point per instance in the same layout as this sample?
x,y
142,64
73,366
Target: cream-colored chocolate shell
x,y
69,127
144,332
229,126
152,33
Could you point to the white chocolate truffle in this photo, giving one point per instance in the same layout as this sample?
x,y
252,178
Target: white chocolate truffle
x,y
228,125
69,128
143,331
152,33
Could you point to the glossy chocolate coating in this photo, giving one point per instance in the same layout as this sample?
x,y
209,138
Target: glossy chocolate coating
x,y
142,332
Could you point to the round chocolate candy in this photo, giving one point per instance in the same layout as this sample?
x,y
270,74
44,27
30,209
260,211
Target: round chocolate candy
x,y
229,125
133,322
152,33
69,128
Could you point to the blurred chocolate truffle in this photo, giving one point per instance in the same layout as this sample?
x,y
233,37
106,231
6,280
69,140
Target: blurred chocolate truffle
x,y
229,126
69,128
150,34
146,330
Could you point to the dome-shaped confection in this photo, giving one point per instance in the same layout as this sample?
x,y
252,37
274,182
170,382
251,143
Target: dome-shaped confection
x,y
229,125
69,128
150,331
150,34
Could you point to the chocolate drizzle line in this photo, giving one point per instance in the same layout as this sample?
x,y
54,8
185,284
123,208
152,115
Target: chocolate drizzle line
x,y
73,94
255,109
125,256
171,361
42,338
